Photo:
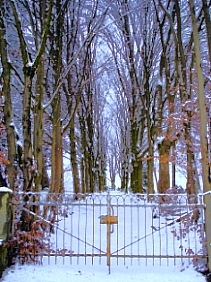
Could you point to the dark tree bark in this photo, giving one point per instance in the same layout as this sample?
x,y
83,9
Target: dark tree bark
x,y
8,111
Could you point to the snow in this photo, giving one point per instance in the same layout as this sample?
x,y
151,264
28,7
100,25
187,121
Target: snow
x,y
145,232
5,189
159,82
52,273
30,64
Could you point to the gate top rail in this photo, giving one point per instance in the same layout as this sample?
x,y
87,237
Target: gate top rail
x,y
120,199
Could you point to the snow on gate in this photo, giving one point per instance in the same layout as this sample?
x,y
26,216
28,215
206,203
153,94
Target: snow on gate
x,y
115,228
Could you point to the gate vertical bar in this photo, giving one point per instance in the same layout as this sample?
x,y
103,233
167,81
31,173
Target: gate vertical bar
x,y
109,233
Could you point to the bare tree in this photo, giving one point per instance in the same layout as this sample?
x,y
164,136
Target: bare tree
x,y
29,69
7,97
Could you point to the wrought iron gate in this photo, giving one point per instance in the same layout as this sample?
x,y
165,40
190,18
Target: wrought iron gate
x,y
116,228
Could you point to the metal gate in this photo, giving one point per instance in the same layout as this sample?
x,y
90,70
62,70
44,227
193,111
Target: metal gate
x,y
115,228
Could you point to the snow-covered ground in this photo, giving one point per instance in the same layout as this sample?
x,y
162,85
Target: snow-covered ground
x,y
54,273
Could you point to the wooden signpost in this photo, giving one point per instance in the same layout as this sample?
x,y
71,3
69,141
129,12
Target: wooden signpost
x,y
108,219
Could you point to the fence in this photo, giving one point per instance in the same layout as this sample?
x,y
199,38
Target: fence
x,y
118,228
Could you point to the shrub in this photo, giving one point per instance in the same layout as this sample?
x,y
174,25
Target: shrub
x,y
28,245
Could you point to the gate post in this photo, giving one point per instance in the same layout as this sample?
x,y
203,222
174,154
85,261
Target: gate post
x,y
5,220
109,233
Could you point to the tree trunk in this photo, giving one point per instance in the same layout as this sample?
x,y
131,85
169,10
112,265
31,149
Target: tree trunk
x,y
112,168
57,152
102,176
8,115
135,188
164,176
83,182
185,95
203,131
136,178
150,161
38,127
125,170
27,133
190,186
90,149
45,178
57,163
85,164
173,170
73,157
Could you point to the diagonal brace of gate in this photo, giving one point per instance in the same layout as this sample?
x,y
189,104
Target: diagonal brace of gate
x,y
75,237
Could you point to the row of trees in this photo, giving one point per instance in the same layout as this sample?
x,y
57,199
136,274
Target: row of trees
x,y
48,53
117,85
156,68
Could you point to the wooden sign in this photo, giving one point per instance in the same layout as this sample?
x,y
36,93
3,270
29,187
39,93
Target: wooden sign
x,y
108,219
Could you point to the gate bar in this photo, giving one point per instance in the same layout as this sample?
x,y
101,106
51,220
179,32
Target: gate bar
x,y
109,234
